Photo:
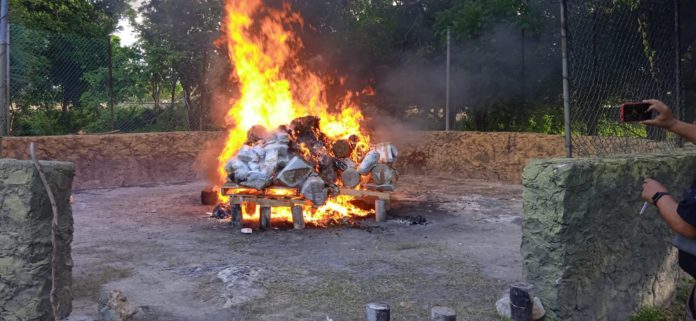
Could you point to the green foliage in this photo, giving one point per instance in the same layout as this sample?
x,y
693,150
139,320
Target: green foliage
x,y
673,312
649,314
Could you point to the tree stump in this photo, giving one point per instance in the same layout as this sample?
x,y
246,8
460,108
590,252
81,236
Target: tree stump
x,y
442,314
521,303
377,312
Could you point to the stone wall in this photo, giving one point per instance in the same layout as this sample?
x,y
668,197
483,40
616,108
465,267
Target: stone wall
x,y
26,244
585,246
491,156
162,158
120,160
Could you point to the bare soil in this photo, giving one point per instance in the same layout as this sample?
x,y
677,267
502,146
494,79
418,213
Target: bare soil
x,y
159,247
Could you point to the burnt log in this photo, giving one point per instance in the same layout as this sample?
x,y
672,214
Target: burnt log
x,y
306,130
327,169
209,196
256,133
342,148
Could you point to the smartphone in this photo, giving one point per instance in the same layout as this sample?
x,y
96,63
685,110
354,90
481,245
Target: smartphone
x,y
635,112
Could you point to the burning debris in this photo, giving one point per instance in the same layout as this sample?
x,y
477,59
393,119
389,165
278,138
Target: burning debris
x,y
301,156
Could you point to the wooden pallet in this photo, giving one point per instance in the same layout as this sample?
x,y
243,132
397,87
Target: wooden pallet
x,y
267,199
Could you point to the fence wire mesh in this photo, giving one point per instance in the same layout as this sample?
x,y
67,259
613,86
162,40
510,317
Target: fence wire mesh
x,y
620,51
66,83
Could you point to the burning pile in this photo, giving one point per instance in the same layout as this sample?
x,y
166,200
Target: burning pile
x,y
282,132
300,156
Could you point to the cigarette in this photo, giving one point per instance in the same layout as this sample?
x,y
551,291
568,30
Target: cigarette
x,y
645,207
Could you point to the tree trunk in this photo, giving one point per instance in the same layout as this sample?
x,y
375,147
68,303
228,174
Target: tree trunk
x,y
155,82
187,106
173,92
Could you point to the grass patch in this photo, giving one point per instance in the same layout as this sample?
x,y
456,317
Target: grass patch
x,y
415,282
675,312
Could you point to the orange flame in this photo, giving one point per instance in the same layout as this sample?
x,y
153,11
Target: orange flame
x,y
275,88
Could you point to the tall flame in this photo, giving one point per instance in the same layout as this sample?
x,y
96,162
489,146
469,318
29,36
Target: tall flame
x,y
275,87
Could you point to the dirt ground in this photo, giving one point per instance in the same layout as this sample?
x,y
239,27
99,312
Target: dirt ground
x,y
158,246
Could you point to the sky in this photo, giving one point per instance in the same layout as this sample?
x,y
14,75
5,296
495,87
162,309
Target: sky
x,y
126,31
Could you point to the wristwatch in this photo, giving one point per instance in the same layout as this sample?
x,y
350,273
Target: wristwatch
x,y
657,197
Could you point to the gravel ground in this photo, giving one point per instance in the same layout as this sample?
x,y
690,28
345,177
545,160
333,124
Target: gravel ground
x,y
157,245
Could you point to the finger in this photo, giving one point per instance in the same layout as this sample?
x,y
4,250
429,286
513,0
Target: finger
x,y
652,101
652,108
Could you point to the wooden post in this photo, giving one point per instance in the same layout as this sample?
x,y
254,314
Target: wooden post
x,y
236,215
380,210
265,218
521,303
298,217
377,312
442,314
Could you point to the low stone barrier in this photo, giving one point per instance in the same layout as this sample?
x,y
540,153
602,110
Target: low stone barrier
x,y
163,158
26,244
585,246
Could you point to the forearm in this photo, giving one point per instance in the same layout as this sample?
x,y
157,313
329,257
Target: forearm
x,y
684,129
667,207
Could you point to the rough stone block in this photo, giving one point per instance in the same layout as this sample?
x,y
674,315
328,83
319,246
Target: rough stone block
x,y
26,244
585,246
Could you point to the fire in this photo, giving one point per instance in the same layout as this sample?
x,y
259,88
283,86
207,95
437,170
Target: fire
x,y
275,88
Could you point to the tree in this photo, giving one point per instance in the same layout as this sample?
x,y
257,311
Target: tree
x,y
179,36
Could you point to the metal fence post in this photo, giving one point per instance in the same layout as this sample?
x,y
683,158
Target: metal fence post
x,y
4,69
566,89
111,84
447,89
681,112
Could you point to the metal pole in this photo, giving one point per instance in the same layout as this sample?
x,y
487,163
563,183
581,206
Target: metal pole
x,y
447,90
677,68
111,85
566,90
4,69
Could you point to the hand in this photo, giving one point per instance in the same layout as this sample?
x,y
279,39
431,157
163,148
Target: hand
x,y
664,118
650,187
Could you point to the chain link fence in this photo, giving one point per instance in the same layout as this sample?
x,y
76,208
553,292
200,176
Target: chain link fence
x,y
72,84
620,51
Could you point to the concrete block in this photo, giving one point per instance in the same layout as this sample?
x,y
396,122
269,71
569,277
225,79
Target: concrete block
x,y
585,246
26,244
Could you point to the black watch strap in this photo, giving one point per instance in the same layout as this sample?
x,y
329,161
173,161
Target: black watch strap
x,y
657,197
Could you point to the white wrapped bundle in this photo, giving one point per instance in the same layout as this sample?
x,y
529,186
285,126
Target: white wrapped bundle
x,y
238,168
387,153
368,162
315,190
257,180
